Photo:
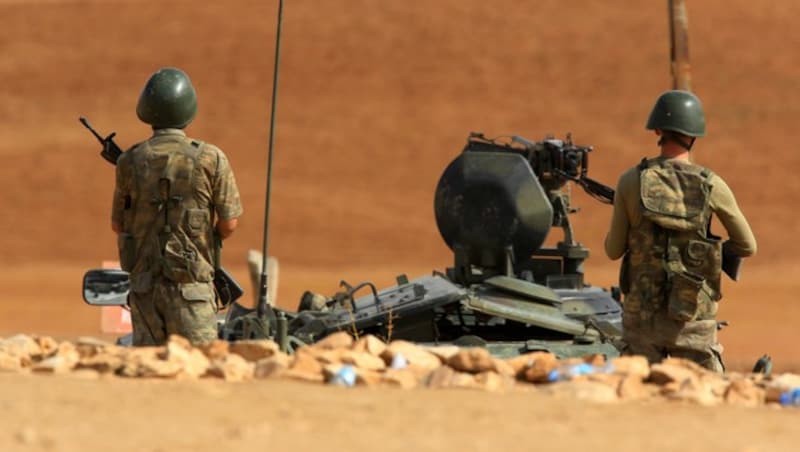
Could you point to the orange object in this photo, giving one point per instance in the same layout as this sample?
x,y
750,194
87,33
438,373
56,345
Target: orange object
x,y
114,319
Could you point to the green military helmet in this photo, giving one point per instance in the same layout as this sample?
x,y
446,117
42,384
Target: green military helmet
x,y
678,111
168,100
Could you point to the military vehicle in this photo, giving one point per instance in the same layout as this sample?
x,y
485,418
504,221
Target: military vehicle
x,y
495,205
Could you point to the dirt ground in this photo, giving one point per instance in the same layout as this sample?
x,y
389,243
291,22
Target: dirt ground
x,y
376,98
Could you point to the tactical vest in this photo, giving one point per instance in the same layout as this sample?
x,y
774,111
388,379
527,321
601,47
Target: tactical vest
x,y
167,226
674,262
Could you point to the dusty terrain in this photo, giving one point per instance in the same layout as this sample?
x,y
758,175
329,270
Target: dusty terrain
x,y
376,98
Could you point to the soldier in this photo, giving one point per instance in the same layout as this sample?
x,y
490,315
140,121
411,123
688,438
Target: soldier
x,y
169,190
670,273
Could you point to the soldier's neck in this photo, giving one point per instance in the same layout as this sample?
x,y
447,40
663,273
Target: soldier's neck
x,y
673,151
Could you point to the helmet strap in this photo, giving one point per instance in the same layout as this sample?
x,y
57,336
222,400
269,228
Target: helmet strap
x,y
675,138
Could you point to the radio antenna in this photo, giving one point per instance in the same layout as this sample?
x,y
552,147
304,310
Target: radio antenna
x,y
263,308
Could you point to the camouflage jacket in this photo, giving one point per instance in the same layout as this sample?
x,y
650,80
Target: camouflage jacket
x,y
673,263
168,191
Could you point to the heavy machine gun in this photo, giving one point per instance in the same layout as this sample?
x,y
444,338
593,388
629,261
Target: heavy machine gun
x,y
496,202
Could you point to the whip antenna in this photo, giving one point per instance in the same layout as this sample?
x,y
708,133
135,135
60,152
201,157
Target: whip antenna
x,y
263,308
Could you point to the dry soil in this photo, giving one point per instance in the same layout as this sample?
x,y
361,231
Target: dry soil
x,y
376,98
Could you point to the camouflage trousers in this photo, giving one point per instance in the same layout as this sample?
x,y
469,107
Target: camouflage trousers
x,y
166,308
657,337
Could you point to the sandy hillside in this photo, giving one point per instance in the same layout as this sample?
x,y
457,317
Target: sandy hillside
x,y
376,98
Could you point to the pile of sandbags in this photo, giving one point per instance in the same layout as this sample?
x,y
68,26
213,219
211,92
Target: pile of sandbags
x,y
339,359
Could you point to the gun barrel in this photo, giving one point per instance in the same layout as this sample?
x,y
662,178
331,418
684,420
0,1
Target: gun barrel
x,y
86,124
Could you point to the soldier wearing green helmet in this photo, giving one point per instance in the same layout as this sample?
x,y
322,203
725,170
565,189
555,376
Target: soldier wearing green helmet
x,y
671,267
174,197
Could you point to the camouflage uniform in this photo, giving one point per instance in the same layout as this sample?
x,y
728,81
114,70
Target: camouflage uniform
x,y
168,191
671,272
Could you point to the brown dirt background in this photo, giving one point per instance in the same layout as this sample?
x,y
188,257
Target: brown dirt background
x,y
375,99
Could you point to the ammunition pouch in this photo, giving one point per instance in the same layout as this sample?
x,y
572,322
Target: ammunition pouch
x,y
183,263
689,296
197,291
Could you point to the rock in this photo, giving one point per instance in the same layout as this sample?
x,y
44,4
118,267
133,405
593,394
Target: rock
x,y
538,367
443,352
610,380
215,349
596,360
503,368
369,344
192,361
401,378
522,362
231,367
47,345
718,384
463,380
22,346
63,361
636,366
146,362
176,340
590,391
11,363
340,339
327,356
103,363
700,394
664,373
304,367
271,367
690,365
473,360
254,350
53,365
492,381
89,346
368,378
157,368
631,387
440,378
415,355
744,392
363,360
687,387
785,382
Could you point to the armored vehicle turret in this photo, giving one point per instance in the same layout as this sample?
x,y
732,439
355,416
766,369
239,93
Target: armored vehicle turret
x,y
495,205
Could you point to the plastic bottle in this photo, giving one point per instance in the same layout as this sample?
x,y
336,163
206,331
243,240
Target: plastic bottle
x,y
399,362
346,376
564,373
790,398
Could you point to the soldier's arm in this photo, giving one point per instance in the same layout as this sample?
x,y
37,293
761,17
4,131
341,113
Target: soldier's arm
x,y
741,239
226,227
118,203
226,198
616,242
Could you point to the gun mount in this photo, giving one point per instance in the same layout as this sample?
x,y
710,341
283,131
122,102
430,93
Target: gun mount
x,y
496,203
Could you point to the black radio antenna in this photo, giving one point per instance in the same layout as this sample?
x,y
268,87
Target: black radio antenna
x,y
263,308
